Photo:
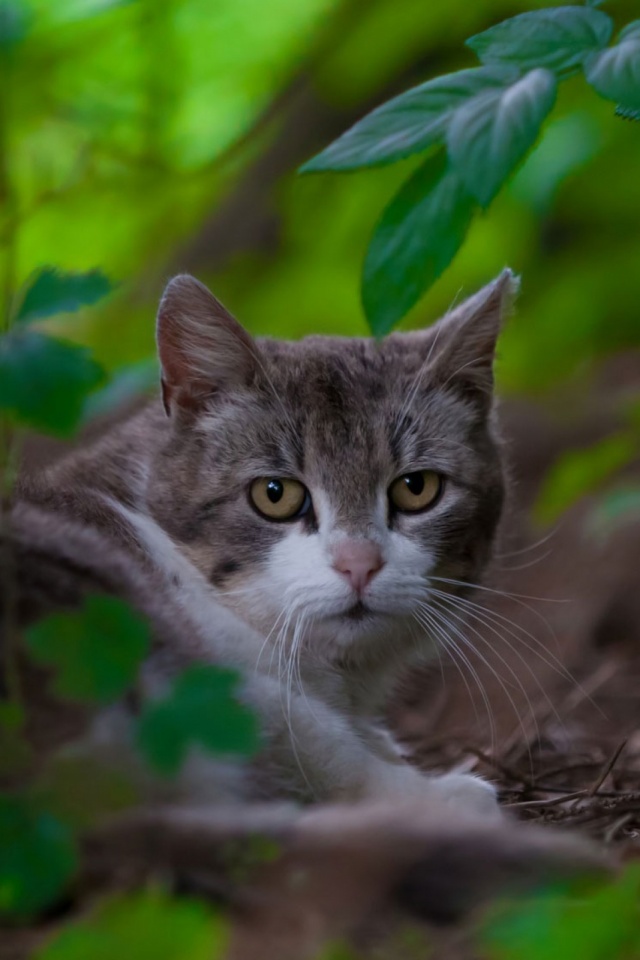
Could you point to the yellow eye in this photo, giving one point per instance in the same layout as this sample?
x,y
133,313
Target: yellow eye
x,y
279,499
416,491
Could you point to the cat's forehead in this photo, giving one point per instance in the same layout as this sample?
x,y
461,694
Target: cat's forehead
x,y
334,406
376,368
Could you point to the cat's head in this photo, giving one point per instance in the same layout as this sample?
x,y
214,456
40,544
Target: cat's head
x,y
323,487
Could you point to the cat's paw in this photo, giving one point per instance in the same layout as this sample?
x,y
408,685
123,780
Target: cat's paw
x,y
468,794
463,793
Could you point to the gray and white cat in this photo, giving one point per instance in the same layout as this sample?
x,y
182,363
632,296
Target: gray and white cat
x,y
288,509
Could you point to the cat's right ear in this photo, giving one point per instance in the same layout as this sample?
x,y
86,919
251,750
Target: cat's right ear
x,y
202,349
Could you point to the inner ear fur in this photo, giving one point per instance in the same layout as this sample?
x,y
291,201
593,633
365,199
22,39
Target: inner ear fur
x,y
202,348
460,348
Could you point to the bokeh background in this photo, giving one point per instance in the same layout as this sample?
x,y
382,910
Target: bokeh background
x,y
152,136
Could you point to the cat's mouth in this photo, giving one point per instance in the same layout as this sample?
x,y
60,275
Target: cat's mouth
x,y
357,612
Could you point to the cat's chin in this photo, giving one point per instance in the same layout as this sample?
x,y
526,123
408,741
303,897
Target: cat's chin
x,y
359,627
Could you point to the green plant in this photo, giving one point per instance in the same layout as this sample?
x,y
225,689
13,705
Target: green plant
x,y
95,652
479,124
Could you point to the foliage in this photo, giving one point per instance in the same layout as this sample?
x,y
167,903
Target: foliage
x,y
603,924
96,651
52,291
44,381
415,240
38,858
201,709
581,472
150,925
488,122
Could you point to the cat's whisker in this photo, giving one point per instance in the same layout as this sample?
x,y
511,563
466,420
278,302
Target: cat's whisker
x,y
529,547
447,626
303,692
502,681
477,361
280,640
518,633
528,564
267,638
418,643
295,642
434,622
501,593
276,395
415,385
517,598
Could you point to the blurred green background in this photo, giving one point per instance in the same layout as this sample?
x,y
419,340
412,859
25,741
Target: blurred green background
x,y
154,136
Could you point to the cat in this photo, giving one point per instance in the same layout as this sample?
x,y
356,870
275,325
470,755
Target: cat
x,y
288,509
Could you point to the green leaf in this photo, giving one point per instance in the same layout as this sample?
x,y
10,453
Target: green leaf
x,y
37,858
615,72
627,113
50,291
96,651
44,381
631,31
597,924
149,925
409,123
557,38
493,132
13,23
594,3
80,790
415,240
16,753
613,509
581,472
201,709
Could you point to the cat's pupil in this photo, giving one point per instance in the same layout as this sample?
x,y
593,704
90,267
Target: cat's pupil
x,y
275,491
414,483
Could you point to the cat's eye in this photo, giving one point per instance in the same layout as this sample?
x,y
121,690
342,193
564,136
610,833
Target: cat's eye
x,y
416,491
279,499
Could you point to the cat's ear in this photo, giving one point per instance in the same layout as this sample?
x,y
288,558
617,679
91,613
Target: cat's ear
x,y
461,346
202,348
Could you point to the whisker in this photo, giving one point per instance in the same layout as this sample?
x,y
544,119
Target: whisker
x,y
432,616
517,598
517,682
547,657
531,546
528,564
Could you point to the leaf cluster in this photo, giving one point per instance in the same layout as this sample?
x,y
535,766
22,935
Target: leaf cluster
x,y
481,122
44,381
93,654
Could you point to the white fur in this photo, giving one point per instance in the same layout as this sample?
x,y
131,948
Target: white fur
x,y
321,741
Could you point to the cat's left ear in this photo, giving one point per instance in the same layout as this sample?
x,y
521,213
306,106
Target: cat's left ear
x,y
203,350
461,346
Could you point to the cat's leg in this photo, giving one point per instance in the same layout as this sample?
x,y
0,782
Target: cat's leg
x,y
316,752
394,773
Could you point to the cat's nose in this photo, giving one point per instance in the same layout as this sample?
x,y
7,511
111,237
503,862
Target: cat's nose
x,y
358,561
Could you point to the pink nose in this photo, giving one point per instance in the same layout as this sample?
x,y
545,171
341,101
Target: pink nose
x,y
358,561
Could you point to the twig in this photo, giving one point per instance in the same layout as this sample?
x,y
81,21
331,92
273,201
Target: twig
x,y
502,768
548,802
616,826
606,770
